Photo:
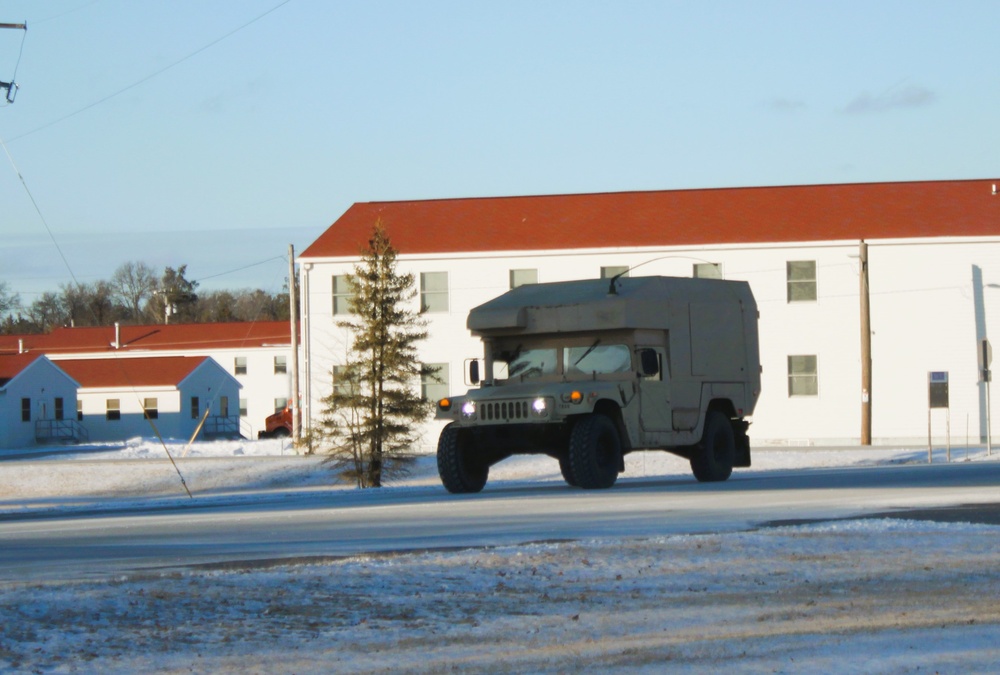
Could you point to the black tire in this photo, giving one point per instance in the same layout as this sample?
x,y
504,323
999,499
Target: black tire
x,y
713,458
281,432
566,467
460,470
595,452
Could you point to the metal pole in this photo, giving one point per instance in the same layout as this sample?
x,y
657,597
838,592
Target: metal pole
x,y
294,314
866,348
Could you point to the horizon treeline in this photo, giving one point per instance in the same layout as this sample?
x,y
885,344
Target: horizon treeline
x,y
136,294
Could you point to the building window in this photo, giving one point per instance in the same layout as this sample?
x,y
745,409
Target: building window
x,y
433,291
803,378
434,385
279,404
240,365
522,277
25,409
340,385
79,410
614,271
707,271
243,407
343,292
801,280
60,408
151,408
280,365
223,406
195,408
114,410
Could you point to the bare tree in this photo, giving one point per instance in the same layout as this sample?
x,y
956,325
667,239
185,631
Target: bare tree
x,y
133,284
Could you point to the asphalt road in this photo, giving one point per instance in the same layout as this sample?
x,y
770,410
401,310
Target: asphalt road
x,y
323,524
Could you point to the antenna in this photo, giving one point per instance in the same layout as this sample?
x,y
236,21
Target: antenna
x,y
614,291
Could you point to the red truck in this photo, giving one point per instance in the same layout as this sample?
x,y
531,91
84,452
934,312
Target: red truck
x,y
278,425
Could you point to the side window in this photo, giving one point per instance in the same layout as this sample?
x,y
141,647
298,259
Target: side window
x,y
25,409
60,408
240,365
79,410
343,291
280,365
223,406
243,407
151,407
113,410
801,276
279,404
434,386
522,277
433,291
195,408
803,377
614,271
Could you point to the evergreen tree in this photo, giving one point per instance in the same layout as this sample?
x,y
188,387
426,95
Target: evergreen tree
x,y
375,403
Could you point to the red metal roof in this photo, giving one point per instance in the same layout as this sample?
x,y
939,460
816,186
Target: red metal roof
x,y
188,336
12,364
671,218
131,372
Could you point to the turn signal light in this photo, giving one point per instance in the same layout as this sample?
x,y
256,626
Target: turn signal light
x,y
445,404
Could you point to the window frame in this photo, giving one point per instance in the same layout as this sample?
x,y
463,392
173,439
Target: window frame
x,y
151,411
342,293
803,382
239,365
112,409
800,289
434,300
280,364
25,409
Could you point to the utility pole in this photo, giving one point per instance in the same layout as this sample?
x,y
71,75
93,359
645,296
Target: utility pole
x,y
866,348
294,313
11,86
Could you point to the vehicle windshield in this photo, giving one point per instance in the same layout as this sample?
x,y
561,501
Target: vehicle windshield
x,y
586,359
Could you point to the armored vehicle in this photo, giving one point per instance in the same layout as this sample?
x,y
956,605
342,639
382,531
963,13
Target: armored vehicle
x,y
589,371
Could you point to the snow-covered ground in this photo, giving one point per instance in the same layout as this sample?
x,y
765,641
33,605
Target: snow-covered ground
x,y
874,596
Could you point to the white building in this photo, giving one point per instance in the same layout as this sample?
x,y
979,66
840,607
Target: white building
x,y
933,283
169,396
37,402
258,354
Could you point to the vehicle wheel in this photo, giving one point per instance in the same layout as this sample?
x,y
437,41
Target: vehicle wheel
x,y
594,452
713,458
280,432
460,470
566,467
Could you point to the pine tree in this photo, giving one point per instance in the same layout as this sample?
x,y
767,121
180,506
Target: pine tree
x,y
375,403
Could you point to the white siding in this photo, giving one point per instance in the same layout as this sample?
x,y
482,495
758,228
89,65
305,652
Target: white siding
x,y
922,308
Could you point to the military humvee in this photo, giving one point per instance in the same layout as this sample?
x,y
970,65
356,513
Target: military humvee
x,y
589,371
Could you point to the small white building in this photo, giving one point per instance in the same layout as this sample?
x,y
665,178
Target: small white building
x,y
169,396
37,402
258,354
925,256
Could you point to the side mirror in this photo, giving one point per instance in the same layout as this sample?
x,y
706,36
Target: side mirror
x,y
474,371
649,362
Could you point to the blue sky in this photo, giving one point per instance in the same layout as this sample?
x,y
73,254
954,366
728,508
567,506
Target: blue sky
x,y
214,133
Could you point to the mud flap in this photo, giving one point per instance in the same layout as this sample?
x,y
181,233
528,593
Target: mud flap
x,y
742,455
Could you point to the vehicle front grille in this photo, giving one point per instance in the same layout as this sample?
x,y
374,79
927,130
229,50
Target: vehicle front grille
x,y
503,410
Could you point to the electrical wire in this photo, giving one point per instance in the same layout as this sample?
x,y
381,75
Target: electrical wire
x,y
152,75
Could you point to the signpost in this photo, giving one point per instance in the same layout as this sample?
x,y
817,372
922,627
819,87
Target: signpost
x,y
985,359
937,397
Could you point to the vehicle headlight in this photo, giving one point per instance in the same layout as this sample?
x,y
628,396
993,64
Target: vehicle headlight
x,y
469,410
540,407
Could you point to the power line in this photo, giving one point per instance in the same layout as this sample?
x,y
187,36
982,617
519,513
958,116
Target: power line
x,y
151,75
